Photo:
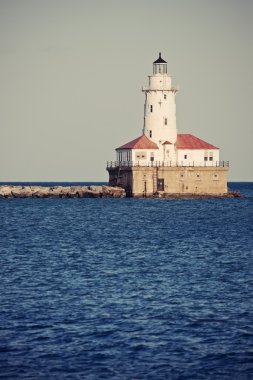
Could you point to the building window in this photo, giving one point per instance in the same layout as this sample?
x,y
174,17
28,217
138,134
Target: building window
x,y
185,156
165,121
152,156
206,156
140,155
151,108
211,156
150,133
165,96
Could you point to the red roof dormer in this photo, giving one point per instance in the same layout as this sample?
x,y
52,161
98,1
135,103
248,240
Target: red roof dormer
x,y
141,142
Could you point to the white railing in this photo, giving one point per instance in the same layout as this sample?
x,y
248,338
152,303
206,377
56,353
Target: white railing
x,y
122,164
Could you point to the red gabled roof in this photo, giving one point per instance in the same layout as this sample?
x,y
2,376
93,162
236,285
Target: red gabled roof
x,y
141,142
185,141
167,142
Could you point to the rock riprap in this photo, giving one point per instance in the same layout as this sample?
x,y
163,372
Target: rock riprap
x,y
9,191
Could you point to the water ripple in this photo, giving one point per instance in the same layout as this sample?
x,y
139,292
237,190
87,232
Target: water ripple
x,y
126,289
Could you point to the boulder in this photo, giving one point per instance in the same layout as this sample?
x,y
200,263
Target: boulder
x,y
5,192
113,192
39,191
21,192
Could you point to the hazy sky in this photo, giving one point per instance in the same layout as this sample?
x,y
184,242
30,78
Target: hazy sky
x,y
71,73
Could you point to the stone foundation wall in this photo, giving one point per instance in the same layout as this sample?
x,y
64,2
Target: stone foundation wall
x,y
144,181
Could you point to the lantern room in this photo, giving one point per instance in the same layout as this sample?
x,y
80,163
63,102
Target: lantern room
x,y
160,66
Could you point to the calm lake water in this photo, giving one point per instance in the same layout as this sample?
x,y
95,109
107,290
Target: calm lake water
x,y
127,288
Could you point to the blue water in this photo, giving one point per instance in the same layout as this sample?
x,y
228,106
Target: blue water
x,y
127,288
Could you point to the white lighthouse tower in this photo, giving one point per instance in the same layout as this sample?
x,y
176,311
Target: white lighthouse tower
x,y
160,110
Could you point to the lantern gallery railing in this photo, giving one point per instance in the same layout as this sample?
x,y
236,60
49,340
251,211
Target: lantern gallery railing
x,y
129,164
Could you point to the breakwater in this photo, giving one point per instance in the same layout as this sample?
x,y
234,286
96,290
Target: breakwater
x,y
12,191
9,191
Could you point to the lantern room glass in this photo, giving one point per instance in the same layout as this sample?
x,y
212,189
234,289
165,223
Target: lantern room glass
x,y
159,68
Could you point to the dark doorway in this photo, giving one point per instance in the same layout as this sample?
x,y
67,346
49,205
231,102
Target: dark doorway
x,y
160,184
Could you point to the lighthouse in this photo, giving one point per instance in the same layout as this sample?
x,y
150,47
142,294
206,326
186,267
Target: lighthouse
x,y
160,106
161,160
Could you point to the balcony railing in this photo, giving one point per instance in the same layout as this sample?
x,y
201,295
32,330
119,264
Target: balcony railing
x,y
129,164
171,88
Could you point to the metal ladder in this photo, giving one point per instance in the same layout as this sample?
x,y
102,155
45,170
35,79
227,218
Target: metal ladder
x,y
155,177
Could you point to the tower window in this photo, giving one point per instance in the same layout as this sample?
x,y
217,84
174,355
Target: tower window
x,y
151,108
150,133
165,96
165,121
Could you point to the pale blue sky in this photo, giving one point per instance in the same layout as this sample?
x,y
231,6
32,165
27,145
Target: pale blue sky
x,y
71,73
